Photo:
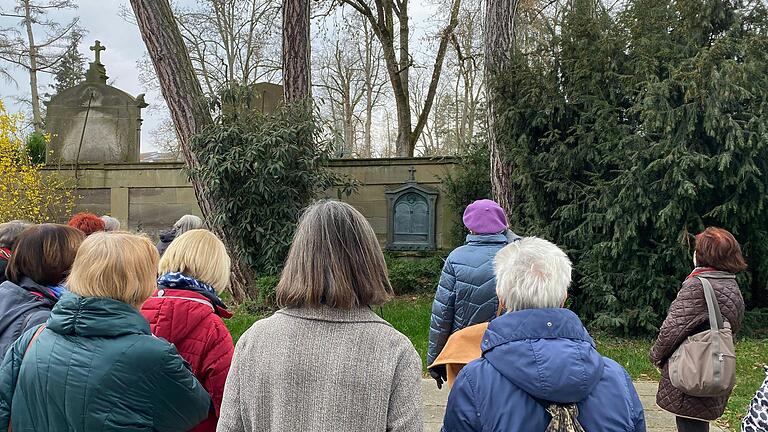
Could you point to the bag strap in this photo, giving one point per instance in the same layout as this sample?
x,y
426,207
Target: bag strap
x,y
26,350
713,308
34,338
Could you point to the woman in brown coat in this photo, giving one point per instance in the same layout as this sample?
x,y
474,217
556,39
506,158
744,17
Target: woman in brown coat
x,y
717,257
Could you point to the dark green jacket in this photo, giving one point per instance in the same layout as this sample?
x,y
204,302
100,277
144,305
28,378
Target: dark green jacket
x,y
96,367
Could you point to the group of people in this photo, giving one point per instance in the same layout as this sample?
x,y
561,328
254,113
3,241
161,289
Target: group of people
x,y
102,330
516,359
100,333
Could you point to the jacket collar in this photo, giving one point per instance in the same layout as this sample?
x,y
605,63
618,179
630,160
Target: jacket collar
x,y
710,273
95,317
329,314
163,292
555,323
30,285
487,238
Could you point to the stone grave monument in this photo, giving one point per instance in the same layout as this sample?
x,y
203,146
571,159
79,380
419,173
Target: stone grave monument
x,y
93,121
411,216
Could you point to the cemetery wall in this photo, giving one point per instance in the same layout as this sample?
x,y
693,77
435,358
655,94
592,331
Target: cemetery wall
x,y
150,197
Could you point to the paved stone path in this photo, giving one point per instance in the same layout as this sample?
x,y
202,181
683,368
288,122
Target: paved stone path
x,y
656,419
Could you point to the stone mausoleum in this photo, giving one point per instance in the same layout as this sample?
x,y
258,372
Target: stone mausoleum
x,y
94,121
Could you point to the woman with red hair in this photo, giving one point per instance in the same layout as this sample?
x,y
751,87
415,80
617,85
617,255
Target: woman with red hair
x,y
717,258
88,223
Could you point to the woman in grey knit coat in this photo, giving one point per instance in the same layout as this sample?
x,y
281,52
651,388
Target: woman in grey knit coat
x,y
326,362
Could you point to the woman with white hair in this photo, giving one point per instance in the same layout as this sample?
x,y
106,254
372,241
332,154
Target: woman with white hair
x,y
110,224
184,224
539,368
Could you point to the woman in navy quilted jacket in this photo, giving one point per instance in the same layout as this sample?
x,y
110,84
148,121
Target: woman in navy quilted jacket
x,y
466,294
539,365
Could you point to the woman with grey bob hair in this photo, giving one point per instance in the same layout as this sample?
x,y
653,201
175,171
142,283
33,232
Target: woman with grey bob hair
x,y
110,223
326,361
539,368
9,233
184,224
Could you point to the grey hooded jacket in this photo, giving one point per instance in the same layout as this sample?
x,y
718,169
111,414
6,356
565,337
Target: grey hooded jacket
x,y
466,294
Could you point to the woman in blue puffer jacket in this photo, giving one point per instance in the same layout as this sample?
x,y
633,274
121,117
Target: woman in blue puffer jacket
x,y
466,294
539,365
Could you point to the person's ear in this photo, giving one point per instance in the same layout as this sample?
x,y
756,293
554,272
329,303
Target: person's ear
x,y
502,308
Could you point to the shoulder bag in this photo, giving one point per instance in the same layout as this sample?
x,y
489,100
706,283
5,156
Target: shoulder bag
x,y
704,365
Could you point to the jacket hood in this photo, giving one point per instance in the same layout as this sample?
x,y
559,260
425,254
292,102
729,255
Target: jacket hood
x,y
545,352
168,236
95,317
487,238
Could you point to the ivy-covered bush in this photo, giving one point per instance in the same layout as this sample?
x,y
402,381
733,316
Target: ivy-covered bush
x,y
262,170
633,129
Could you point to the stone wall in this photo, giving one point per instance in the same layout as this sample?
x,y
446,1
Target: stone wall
x,y
150,197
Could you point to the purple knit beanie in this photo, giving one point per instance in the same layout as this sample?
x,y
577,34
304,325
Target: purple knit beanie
x,y
485,217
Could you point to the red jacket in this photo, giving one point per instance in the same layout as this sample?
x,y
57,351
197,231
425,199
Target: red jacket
x,y
187,320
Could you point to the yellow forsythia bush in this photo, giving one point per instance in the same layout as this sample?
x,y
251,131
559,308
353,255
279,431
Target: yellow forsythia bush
x,y
26,192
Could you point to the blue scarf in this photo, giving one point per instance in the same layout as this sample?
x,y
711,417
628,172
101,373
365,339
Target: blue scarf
x,y
57,290
181,281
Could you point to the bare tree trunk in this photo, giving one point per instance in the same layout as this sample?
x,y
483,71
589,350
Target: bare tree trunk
x,y
499,43
184,96
296,51
369,81
37,116
382,23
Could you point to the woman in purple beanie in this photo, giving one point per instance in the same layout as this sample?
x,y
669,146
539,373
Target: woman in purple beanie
x,y
466,294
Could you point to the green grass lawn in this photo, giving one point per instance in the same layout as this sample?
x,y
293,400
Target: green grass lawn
x,y
410,315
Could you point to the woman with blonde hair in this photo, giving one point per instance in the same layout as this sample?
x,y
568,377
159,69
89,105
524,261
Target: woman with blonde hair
x,y
325,361
186,310
94,365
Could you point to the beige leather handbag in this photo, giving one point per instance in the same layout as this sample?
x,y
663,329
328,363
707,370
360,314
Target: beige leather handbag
x,y
705,364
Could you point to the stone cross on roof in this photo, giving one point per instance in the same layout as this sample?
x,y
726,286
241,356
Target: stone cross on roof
x,y
98,47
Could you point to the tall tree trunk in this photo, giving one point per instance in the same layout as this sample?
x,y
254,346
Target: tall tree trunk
x,y
296,51
369,77
184,96
37,116
499,43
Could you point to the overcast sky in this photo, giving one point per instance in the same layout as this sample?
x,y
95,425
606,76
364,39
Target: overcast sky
x,y
101,19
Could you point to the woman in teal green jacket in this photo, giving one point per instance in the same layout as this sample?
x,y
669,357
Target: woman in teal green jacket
x,y
96,366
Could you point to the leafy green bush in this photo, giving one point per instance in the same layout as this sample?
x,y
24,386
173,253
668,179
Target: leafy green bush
x,y
632,130
414,275
262,170
36,147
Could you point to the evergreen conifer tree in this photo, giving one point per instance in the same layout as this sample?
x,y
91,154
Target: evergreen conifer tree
x,y
631,132
70,70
